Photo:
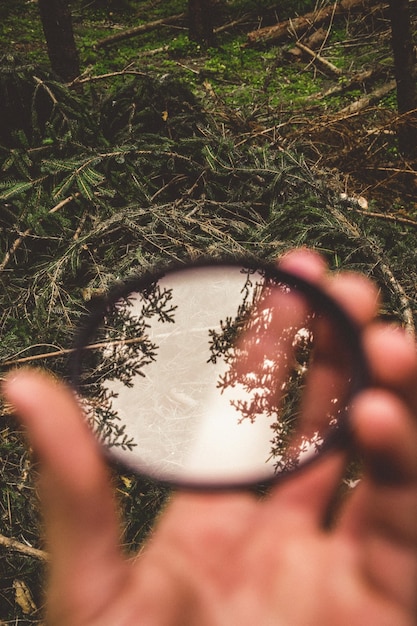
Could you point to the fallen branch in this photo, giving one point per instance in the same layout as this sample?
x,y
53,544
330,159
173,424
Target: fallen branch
x,y
240,20
80,80
18,546
139,30
355,81
12,250
300,25
394,170
64,351
369,99
50,93
317,58
384,216
384,269
150,53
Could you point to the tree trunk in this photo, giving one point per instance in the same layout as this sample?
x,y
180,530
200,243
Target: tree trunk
x,y
200,14
57,27
405,74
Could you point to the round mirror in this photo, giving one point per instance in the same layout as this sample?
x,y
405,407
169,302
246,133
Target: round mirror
x,y
218,375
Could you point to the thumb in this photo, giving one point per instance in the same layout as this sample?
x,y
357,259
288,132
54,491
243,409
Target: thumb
x,y
81,524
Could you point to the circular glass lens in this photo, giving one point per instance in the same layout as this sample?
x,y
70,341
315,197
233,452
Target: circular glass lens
x,y
218,375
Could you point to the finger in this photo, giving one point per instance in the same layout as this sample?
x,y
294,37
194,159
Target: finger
x,y
305,263
356,294
265,347
393,360
269,335
81,524
207,523
331,365
263,357
384,417
381,515
330,370
311,266
326,377
306,498
385,434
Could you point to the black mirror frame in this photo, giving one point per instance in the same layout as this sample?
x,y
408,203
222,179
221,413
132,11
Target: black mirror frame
x,y
338,437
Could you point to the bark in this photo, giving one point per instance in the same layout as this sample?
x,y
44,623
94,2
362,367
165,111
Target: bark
x,y
300,25
405,74
57,27
18,546
324,63
200,15
369,99
357,80
139,30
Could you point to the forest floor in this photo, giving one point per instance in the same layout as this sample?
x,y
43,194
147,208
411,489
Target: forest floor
x,y
326,95
338,108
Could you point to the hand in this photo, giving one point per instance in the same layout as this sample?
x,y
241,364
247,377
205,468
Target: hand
x,y
226,559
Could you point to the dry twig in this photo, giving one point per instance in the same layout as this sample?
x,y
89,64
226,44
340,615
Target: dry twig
x,y
369,99
139,30
18,546
18,242
320,60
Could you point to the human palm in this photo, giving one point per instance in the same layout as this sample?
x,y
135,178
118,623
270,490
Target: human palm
x,y
230,558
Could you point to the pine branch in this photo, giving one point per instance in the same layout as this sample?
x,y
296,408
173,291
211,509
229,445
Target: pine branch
x,y
375,252
65,351
18,242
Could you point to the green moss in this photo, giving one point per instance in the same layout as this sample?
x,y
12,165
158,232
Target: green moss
x,y
241,76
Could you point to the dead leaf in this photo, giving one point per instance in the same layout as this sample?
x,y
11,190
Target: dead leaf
x,y
23,597
127,482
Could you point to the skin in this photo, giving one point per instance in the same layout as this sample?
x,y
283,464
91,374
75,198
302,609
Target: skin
x,y
222,559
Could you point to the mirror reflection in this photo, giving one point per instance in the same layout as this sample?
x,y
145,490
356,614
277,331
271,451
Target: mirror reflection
x,y
217,375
